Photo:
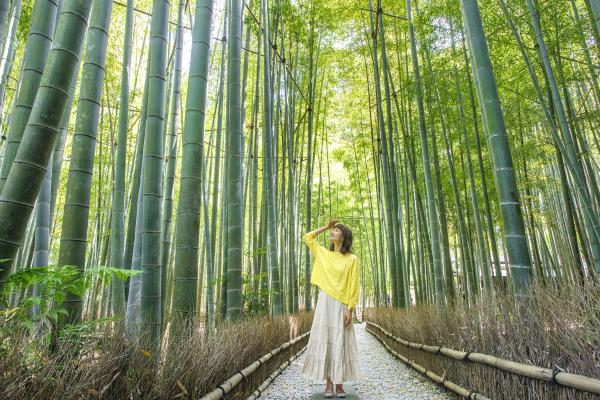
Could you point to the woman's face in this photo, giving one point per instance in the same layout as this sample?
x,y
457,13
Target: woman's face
x,y
336,235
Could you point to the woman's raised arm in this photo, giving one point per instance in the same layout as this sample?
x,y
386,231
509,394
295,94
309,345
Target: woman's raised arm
x,y
310,237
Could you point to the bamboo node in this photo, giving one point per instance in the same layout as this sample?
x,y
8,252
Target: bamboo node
x,y
555,371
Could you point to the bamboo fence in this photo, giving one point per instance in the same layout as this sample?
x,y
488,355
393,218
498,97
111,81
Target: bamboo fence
x,y
256,394
466,393
566,379
224,388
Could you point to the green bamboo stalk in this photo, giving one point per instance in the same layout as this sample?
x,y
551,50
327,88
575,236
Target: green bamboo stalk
x,y
190,192
37,48
117,242
9,48
445,241
79,183
484,190
152,173
397,300
434,228
59,147
514,230
28,170
133,316
395,201
309,165
209,260
590,217
234,169
291,196
482,246
42,229
169,183
132,189
268,161
136,178
218,150
4,10
374,283
566,146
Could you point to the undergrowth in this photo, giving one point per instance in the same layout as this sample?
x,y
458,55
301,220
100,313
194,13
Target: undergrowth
x,y
98,360
42,359
553,327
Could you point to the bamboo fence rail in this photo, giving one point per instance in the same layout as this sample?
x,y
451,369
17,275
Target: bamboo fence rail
x,y
232,382
466,393
566,379
256,394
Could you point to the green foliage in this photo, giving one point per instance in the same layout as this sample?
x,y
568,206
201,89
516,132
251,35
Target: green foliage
x,y
44,289
255,296
24,21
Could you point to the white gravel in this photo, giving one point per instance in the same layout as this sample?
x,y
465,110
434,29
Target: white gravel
x,y
385,377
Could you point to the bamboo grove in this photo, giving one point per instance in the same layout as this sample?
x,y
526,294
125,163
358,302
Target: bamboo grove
x,y
197,140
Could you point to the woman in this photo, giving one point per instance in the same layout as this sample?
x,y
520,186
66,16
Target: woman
x,y
332,353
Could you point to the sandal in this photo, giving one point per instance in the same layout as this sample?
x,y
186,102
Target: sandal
x,y
340,395
328,394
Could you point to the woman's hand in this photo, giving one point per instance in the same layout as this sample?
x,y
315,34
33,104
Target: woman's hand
x,y
347,318
332,223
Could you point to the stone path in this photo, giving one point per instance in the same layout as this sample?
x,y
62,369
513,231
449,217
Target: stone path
x,y
385,378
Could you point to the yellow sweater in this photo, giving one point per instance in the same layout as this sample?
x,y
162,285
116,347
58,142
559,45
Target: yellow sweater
x,y
335,273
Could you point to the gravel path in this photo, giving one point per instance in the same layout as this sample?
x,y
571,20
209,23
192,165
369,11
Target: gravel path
x,y
385,377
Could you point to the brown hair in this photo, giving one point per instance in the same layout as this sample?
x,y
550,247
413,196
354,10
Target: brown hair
x,y
346,239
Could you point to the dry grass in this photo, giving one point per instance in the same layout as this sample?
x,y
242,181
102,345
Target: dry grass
x,y
104,364
554,328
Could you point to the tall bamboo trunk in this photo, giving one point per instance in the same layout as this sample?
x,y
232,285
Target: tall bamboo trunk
x,y
234,168
152,175
514,229
79,184
117,242
434,229
190,192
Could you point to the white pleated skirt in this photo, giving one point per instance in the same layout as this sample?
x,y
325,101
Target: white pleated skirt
x,y
332,351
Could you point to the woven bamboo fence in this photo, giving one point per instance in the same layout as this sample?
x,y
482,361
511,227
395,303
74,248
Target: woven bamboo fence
x,y
262,364
554,381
